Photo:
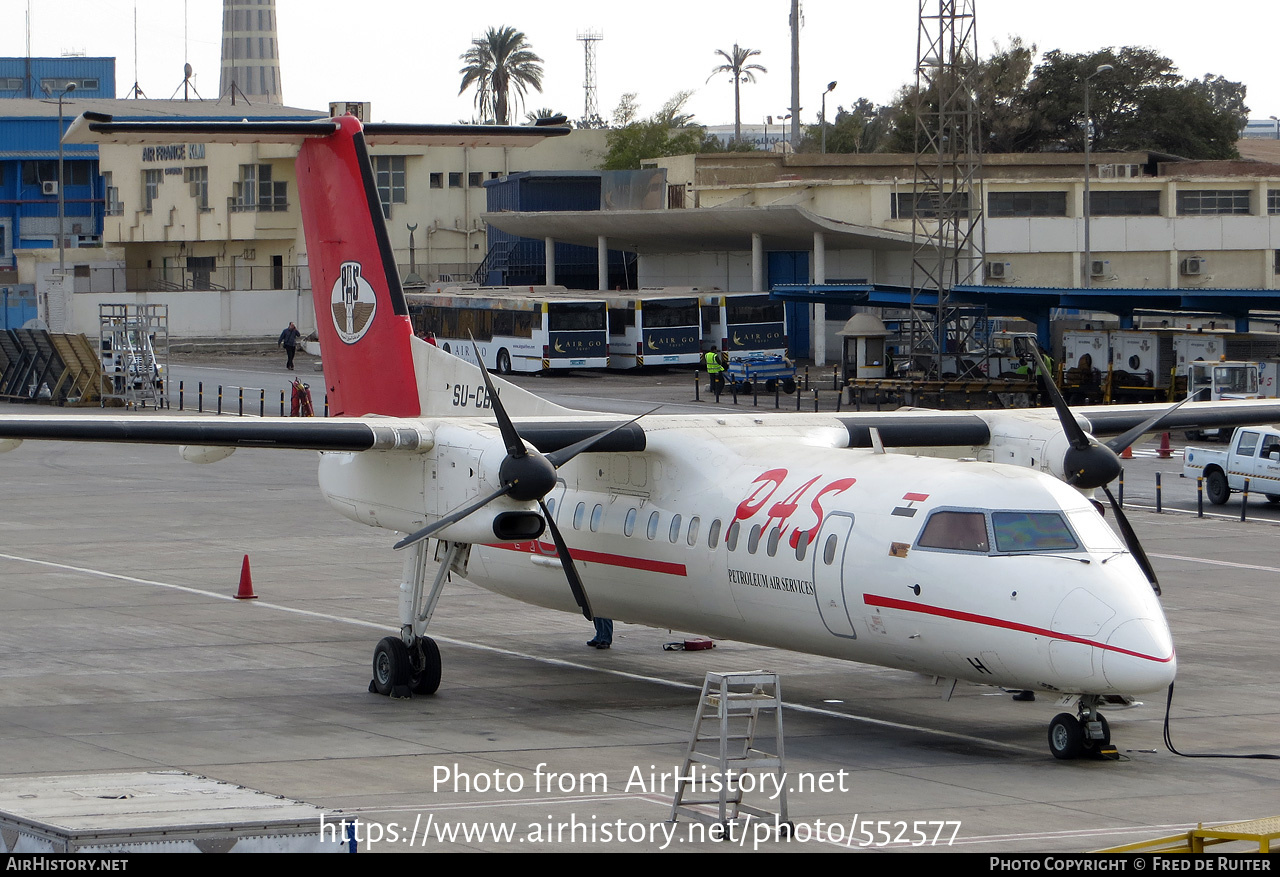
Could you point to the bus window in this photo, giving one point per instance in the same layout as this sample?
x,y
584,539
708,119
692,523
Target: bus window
x,y
582,317
660,314
621,319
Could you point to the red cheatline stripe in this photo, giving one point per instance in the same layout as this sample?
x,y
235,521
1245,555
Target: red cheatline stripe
x,y
915,497
548,549
907,606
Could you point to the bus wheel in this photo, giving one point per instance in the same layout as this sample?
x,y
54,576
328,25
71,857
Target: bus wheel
x,y
504,362
446,348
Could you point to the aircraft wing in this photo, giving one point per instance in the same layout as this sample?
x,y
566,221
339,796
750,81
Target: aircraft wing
x,y
315,434
928,428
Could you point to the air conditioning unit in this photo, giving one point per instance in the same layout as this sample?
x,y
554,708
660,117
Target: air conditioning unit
x,y
359,109
1191,266
49,187
997,270
1099,267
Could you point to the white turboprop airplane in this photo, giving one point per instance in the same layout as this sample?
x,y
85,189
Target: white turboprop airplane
x,y
968,553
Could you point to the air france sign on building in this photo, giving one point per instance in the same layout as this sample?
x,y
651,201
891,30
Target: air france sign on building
x,y
174,152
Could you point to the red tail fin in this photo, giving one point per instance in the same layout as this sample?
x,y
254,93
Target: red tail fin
x,y
361,314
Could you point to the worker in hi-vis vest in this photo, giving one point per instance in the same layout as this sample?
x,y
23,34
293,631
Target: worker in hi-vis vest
x,y
716,363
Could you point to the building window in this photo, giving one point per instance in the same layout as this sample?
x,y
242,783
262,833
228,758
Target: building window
x,y
1273,201
36,172
151,187
1003,204
1277,262
55,86
909,205
455,180
389,175
437,181
111,195
1213,202
475,179
4,242
258,191
198,179
1121,203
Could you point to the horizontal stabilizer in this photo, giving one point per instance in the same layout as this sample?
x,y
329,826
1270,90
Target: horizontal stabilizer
x,y
100,128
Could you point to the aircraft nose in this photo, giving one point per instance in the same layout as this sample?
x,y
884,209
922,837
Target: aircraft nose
x,y
1139,657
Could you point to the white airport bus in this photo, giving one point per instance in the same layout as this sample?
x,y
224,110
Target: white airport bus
x,y
516,329
742,323
654,327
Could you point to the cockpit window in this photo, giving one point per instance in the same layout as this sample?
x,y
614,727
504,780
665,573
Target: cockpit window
x,y
1032,531
955,531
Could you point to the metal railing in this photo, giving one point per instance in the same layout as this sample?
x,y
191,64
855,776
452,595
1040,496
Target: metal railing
x,y
240,277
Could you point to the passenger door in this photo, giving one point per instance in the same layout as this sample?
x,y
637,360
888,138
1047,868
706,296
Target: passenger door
x,y
828,550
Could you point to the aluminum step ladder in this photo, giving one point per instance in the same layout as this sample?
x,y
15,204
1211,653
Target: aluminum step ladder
x,y
723,763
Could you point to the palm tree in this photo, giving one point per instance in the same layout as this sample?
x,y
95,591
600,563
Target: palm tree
x,y
499,64
741,72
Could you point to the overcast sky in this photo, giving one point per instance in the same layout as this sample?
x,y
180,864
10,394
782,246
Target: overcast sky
x,y
403,55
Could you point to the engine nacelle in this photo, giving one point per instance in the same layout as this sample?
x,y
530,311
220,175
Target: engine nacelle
x,y
487,525
204,453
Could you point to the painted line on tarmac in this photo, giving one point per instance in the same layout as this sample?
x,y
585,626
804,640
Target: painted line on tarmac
x,y
554,662
1218,562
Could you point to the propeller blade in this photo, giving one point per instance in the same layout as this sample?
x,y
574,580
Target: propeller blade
x,y
566,561
452,518
1075,433
1086,463
511,438
564,455
1131,542
1122,441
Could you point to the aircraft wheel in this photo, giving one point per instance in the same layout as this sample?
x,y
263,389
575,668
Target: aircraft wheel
x,y
425,679
1066,737
1216,486
391,666
504,362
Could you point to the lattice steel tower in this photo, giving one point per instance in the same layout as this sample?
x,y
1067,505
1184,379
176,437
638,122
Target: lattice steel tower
x,y
947,230
250,52
591,111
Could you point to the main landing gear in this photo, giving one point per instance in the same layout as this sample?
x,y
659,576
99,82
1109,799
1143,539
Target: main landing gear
x,y
410,663
1088,736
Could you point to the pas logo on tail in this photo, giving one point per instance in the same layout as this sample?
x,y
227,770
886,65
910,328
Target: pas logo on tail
x,y
354,303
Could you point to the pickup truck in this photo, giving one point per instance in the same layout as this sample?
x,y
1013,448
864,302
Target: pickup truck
x,y
1253,456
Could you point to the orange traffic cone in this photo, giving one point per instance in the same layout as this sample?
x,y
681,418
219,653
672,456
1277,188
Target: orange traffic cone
x,y
1165,451
1127,453
246,582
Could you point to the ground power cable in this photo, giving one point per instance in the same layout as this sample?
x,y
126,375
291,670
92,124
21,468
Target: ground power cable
x,y
1168,740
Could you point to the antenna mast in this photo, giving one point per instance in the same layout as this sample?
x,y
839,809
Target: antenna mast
x,y
591,110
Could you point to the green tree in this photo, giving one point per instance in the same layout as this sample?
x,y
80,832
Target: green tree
x,y
541,113
670,131
862,127
500,66
741,71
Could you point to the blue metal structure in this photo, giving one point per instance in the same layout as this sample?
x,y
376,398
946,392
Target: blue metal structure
x,y
40,77
519,261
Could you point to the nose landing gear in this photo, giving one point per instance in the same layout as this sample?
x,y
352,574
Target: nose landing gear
x,y
1088,736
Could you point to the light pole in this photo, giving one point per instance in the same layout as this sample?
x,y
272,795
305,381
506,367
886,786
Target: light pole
x,y
1088,136
71,86
830,88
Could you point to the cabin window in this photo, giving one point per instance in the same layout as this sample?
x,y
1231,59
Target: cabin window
x,y
1032,531
597,514
829,550
754,541
674,533
652,531
693,530
733,536
802,545
955,531
713,535
578,514
629,525
551,506
774,535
